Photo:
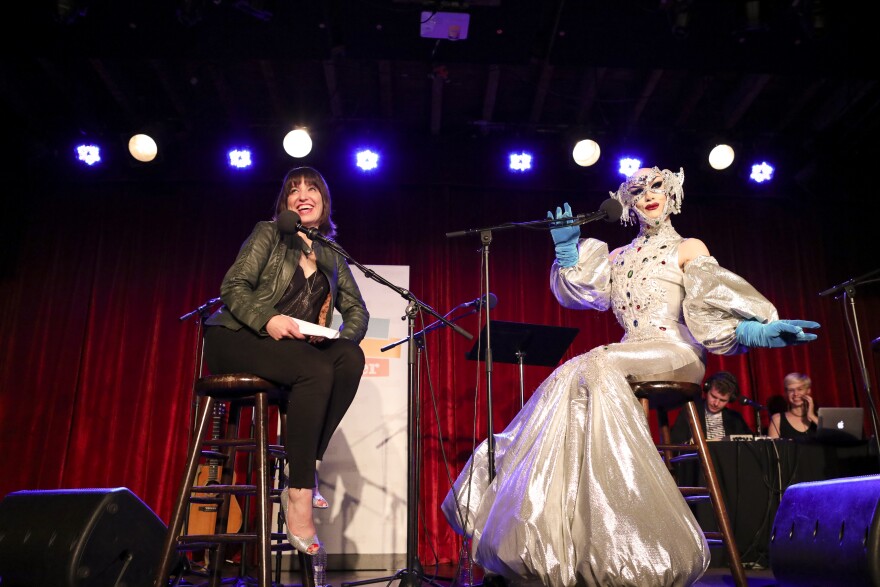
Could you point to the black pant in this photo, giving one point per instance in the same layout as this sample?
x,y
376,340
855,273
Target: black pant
x,y
323,379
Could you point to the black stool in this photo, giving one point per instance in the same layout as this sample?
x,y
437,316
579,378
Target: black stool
x,y
240,390
662,396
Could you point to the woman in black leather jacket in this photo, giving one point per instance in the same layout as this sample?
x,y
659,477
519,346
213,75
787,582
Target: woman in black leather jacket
x,y
275,278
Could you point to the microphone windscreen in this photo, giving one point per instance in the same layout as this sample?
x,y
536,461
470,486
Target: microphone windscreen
x,y
493,300
287,222
612,208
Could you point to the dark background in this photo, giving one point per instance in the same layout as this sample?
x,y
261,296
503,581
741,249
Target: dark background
x,y
97,265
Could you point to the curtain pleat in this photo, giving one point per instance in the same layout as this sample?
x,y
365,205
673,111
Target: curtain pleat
x,y
97,367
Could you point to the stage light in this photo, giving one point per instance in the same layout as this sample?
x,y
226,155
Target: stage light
x,y
762,172
367,160
721,157
629,165
586,152
88,154
520,161
240,158
298,143
143,148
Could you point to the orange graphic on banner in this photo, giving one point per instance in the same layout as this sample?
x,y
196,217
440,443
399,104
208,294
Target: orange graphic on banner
x,y
376,367
372,348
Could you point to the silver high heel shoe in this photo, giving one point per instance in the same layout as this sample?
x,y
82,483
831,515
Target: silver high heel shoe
x,y
318,500
309,546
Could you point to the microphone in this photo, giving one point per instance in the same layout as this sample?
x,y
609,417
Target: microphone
x,y
609,211
479,302
751,403
289,223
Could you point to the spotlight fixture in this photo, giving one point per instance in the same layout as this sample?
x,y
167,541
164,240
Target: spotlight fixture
x,y
520,162
240,158
721,157
629,165
367,160
762,172
297,143
586,152
143,148
88,154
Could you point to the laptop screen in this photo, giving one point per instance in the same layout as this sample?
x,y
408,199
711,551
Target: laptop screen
x,y
841,424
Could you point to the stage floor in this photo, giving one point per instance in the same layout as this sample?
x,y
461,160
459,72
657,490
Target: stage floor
x,y
714,577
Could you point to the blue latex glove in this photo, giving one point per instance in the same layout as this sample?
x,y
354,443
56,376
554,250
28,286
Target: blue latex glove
x,y
776,334
565,238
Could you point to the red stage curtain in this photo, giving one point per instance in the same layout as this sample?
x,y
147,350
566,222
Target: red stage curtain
x,y
97,368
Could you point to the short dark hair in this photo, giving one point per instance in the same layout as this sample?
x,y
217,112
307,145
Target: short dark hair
x,y
312,177
725,382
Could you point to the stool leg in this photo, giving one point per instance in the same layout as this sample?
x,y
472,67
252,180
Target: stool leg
x,y
665,437
264,542
175,526
736,569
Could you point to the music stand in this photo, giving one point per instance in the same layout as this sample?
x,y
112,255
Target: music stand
x,y
525,344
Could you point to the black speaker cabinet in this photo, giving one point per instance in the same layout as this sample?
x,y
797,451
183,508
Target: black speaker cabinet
x,y
827,533
78,537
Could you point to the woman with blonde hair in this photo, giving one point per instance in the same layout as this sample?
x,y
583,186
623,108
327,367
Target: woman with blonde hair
x,y
799,421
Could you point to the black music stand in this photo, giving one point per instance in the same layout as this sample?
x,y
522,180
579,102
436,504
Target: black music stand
x,y
525,344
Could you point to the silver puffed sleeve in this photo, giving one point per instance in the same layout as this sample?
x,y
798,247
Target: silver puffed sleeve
x,y
716,301
587,285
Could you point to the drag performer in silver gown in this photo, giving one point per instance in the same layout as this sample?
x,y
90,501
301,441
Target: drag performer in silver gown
x,y
580,495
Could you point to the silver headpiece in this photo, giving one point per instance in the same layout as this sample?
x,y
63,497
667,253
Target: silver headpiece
x,y
632,190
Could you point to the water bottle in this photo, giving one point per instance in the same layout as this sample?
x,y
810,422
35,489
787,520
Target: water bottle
x,y
465,577
319,562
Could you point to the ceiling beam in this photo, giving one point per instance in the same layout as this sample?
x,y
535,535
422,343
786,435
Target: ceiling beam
x,y
271,81
644,96
386,89
695,93
332,89
111,86
541,92
589,90
743,98
437,83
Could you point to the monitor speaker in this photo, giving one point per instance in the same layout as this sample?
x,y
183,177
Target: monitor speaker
x,y
828,533
78,537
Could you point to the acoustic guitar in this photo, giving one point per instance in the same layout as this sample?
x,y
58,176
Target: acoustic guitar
x,y
203,516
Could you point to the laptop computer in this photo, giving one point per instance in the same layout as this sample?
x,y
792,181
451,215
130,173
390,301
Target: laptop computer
x,y
840,424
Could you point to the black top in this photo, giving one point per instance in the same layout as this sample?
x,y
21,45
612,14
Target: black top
x,y
733,421
786,430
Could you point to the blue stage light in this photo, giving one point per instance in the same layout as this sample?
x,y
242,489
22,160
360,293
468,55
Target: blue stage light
x,y
367,160
762,172
240,158
520,162
88,154
629,165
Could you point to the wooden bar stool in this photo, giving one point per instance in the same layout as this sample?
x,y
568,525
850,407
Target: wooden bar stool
x,y
662,396
239,390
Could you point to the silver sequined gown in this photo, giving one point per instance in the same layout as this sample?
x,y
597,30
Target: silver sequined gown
x,y
580,495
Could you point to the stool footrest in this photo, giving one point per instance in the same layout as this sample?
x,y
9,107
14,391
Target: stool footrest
x,y
231,489
216,538
694,490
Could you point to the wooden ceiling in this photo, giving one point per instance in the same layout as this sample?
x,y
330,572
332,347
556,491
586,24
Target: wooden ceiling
x,y
780,78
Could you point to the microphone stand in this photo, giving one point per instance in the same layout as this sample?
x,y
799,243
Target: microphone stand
x,y
413,574
848,292
202,312
486,240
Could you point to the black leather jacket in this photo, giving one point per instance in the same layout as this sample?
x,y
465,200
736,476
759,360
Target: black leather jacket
x,y
261,273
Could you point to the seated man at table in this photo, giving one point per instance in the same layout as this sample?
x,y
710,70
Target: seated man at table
x,y
717,419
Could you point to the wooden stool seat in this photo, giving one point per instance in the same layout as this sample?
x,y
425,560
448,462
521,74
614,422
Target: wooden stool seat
x,y
662,396
238,390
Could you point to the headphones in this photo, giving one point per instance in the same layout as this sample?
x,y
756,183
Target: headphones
x,y
724,381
